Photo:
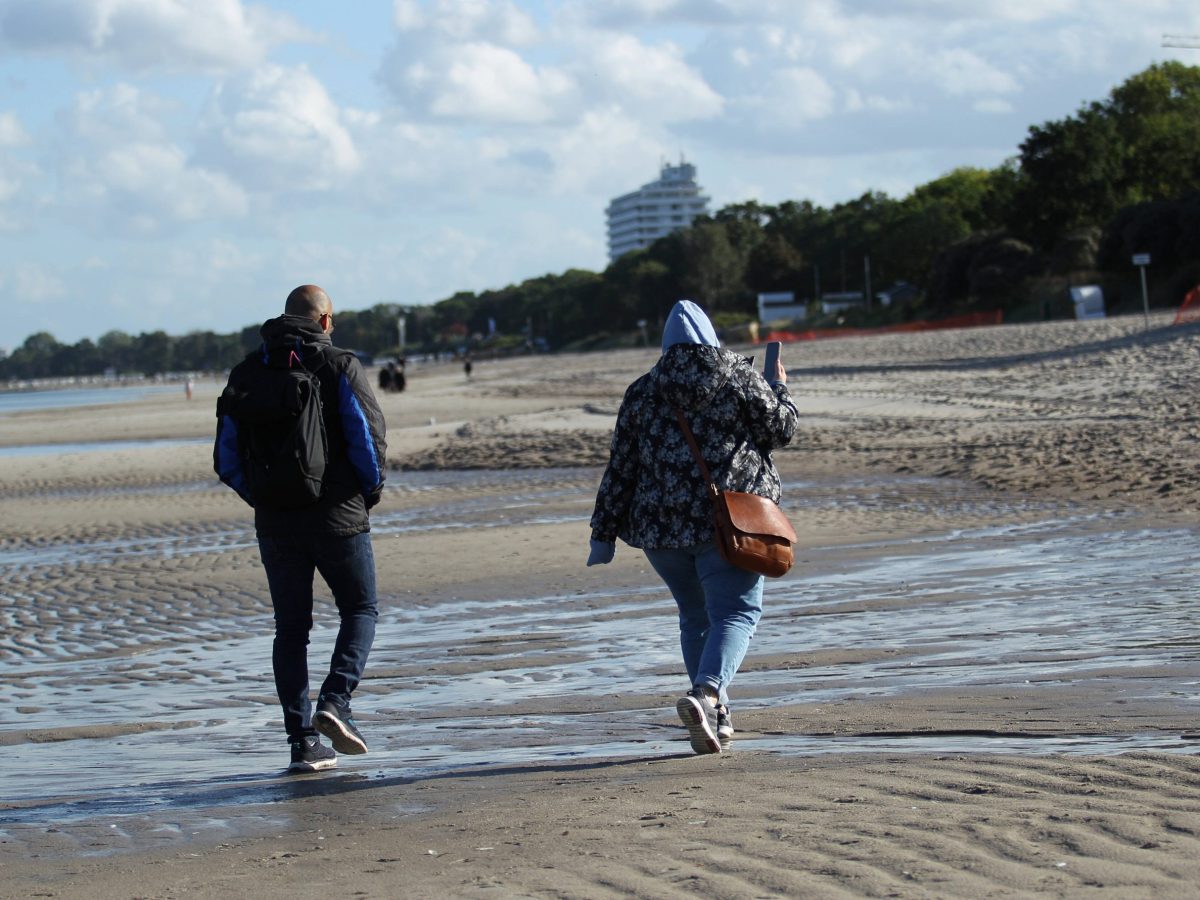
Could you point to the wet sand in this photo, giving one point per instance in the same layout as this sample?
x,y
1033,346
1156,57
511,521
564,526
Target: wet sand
x,y
980,679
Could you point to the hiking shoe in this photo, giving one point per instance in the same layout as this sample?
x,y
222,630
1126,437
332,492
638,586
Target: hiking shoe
x,y
724,722
699,714
310,755
337,724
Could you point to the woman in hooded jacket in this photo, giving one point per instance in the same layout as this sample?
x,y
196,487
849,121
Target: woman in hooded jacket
x,y
653,497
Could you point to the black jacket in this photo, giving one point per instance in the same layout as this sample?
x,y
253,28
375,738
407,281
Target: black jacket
x,y
353,424
652,494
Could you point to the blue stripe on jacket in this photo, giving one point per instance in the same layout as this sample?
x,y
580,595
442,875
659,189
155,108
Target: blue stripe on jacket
x,y
229,461
360,443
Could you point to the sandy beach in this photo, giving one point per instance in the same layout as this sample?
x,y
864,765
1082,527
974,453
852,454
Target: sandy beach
x,y
980,680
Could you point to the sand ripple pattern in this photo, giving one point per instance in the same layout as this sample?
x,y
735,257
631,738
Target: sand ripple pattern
x,y
958,692
102,588
937,827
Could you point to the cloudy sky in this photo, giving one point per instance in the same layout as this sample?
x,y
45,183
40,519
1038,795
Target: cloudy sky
x,y
182,164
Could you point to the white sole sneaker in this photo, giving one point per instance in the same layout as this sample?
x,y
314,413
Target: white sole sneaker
x,y
701,725
319,765
343,739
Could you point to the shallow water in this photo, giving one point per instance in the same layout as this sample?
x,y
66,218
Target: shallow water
x,y
507,680
66,398
513,498
96,446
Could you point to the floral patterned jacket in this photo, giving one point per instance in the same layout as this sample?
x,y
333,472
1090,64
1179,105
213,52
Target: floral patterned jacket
x,y
652,494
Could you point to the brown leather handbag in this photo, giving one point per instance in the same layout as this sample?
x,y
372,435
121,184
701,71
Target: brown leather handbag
x,y
752,531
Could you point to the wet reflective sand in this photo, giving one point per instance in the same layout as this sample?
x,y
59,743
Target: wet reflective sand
x,y
132,719
980,682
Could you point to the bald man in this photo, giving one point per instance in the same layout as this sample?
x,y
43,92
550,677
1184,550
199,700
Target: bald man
x,y
330,535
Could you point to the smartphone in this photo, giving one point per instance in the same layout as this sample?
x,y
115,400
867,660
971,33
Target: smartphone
x,y
771,360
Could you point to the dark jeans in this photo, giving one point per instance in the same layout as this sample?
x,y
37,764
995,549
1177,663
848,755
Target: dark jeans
x,y
348,566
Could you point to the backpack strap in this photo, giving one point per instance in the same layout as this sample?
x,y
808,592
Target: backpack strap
x,y
295,357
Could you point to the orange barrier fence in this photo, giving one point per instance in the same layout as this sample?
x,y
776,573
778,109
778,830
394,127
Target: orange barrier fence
x,y
1189,310
970,320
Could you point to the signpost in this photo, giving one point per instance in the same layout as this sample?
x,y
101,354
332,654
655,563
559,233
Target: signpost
x,y
1141,260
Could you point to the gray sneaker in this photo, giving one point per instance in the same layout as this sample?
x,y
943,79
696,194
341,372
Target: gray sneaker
x,y
699,714
724,722
337,724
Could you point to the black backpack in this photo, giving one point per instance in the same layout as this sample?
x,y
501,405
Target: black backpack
x,y
281,431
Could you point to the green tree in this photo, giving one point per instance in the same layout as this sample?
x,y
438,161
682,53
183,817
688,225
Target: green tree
x,y
1157,114
707,267
1071,176
934,216
153,352
35,357
775,265
1140,145
82,358
116,351
638,285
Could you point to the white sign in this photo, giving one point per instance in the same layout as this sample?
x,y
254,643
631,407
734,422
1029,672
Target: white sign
x,y
1141,259
780,305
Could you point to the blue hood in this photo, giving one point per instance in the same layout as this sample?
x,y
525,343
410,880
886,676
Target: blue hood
x,y
688,324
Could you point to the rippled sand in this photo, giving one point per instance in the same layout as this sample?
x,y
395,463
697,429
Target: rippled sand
x,y
980,679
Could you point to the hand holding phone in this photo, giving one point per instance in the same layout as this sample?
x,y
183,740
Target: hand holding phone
x,y
772,371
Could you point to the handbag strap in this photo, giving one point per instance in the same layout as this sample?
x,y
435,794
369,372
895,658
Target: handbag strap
x,y
691,439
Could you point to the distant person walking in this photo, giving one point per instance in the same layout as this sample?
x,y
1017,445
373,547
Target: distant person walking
x,y
297,534
652,496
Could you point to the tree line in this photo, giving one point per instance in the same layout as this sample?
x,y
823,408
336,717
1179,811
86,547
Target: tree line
x,y
1120,176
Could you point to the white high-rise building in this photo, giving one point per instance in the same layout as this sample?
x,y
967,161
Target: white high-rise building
x,y
637,219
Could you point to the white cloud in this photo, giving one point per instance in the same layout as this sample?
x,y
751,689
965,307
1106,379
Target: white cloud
x,y
17,174
433,168
120,114
993,106
32,283
780,102
276,129
9,186
799,94
497,21
949,11
175,35
598,105
652,80
607,153
149,189
503,129
402,153
12,132
157,183
959,71
484,82
624,14
453,74
852,49
858,102
120,172
178,288
476,80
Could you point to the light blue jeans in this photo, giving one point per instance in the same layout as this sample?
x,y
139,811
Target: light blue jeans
x,y
719,608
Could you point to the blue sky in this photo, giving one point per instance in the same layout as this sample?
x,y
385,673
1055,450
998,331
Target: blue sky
x,y
182,164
